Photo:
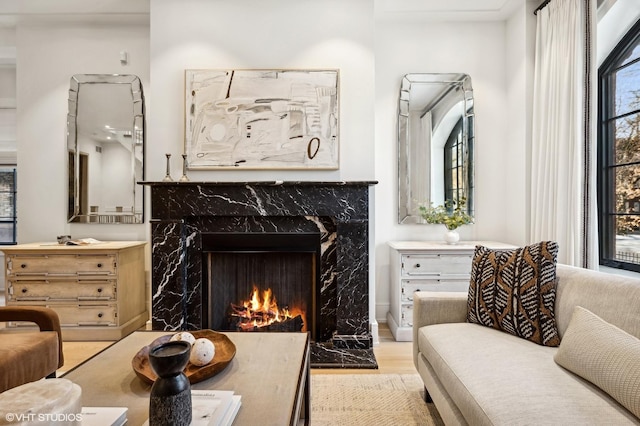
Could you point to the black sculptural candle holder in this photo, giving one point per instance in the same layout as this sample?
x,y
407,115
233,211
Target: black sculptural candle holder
x,y
170,401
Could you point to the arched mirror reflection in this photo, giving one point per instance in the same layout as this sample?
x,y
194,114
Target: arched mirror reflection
x,y
435,143
105,142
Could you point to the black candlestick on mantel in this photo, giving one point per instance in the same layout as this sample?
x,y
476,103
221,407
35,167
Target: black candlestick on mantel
x,y
168,178
170,400
184,177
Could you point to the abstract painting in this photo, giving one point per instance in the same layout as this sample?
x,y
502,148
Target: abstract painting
x,y
261,119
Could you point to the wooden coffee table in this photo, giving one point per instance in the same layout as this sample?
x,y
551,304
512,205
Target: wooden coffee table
x,y
270,371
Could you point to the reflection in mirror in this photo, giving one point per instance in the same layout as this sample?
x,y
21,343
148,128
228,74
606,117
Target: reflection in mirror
x,y
105,141
435,143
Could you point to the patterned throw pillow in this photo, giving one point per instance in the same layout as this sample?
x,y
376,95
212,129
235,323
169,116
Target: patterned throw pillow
x,y
515,291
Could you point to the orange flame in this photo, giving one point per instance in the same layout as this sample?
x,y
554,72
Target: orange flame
x,y
264,311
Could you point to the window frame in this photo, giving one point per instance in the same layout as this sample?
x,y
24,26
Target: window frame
x,y
14,194
461,189
606,151
454,191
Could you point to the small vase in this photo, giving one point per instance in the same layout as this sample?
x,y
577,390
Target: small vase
x,y
451,236
170,400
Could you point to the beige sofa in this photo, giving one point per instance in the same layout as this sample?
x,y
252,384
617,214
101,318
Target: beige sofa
x,y
477,375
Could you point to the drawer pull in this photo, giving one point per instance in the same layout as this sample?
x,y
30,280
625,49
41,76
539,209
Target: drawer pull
x,y
100,314
24,265
99,265
24,290
417,265
99,289
33,299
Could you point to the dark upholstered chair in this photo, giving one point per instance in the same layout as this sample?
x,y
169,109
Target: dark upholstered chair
x,y
29,355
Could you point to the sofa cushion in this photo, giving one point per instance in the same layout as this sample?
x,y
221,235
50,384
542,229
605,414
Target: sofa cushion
x,y
495,378
602,293
26,357
514,291
604,355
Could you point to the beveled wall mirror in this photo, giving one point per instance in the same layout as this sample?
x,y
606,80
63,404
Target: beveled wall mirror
x,y
105,142
435,143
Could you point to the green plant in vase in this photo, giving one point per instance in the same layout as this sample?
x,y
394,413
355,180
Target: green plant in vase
x,y
452,215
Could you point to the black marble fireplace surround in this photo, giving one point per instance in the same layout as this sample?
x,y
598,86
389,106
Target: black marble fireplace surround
x,y
339,211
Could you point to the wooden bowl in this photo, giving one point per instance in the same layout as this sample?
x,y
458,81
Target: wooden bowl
x,y
225,351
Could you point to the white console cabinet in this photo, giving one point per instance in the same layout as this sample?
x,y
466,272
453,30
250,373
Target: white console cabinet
x,y
426,266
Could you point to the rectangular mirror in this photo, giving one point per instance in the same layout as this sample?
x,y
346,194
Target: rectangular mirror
x,y
105,142
435,143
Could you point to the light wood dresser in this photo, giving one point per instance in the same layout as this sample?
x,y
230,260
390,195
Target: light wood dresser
x,y
426,266
98,290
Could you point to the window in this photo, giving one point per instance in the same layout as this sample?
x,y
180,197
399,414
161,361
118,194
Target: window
x,y
8,218
458,156
619,154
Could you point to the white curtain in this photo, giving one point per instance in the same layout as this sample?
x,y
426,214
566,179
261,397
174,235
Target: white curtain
x,y
563,160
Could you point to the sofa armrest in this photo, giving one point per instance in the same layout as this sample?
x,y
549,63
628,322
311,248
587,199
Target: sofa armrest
x,y
430,307
45,318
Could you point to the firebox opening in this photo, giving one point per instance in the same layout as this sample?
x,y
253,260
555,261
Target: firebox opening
x,y
285,264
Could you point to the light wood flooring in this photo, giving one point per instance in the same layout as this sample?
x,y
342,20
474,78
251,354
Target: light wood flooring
x,y
393,357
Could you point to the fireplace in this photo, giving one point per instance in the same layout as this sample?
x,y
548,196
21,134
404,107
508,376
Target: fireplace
x,y
274,274
198,226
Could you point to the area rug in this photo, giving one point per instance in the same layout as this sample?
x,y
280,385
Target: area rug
x,y
370,399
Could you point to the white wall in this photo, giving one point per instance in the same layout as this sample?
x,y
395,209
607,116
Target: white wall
x,y
414,45
219,34
614,25
7,96
49,53
520,51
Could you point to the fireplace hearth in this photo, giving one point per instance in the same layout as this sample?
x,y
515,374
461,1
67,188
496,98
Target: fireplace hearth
x,y
193,221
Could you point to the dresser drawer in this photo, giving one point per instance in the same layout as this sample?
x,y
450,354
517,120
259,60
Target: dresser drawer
x,y
408,287
406,316
79,315
44,290
52,265
437,265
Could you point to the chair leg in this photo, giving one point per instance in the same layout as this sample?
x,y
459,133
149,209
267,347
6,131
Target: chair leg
x,y
52,375
427,397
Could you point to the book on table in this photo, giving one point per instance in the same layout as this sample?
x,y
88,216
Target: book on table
x,y
213,407
104,416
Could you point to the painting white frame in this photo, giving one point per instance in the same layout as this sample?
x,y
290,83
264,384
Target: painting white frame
x,y
262,119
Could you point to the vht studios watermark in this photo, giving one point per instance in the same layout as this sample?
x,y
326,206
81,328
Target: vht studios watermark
x,y
50,418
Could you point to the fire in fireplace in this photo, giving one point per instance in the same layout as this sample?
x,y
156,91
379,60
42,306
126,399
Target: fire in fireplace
x,y
261,281
262,313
